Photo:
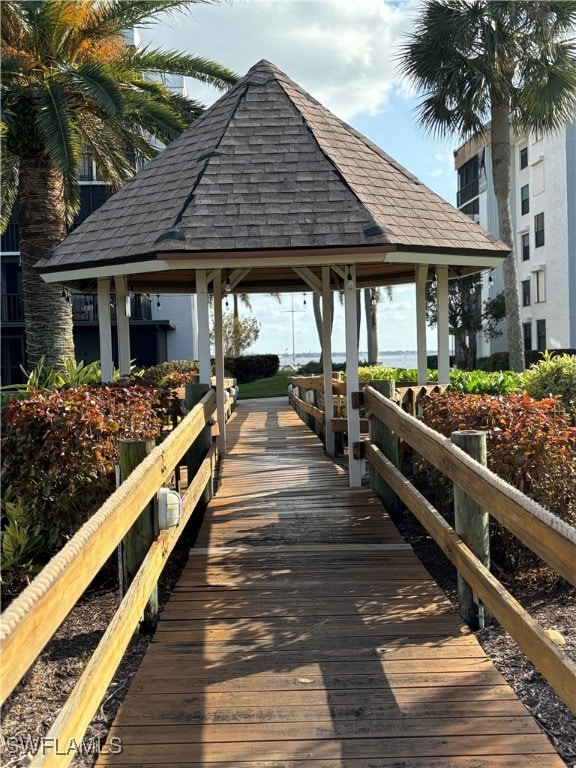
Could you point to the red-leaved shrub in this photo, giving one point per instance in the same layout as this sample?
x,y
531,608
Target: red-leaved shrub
x,y
59,449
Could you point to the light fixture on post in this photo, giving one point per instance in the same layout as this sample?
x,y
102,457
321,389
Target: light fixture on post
x,y
434,283
169,505
349,280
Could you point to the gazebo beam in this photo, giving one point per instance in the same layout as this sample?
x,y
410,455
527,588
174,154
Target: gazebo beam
x,y
327,360
443,325
219,355
351,321
122,324
422,356
310,278
203,326
105,330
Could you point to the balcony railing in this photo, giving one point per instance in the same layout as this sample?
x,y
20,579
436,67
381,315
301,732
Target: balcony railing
x,y
85,307
12,308
10,242
468,192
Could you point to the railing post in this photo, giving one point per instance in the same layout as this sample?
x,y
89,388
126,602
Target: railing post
x,y
200,447
135,545
387,441
472,524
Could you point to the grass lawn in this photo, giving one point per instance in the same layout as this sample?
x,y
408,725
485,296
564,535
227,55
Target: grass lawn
x,y
275,386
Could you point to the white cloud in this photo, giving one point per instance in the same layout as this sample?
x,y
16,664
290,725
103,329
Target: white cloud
x,y
340,51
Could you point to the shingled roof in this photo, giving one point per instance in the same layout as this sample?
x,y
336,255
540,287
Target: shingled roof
x,y
268,171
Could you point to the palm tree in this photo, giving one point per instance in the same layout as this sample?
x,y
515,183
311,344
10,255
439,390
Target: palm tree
x,y
71,81
507,62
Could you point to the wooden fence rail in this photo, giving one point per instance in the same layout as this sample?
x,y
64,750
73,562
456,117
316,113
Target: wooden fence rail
x,y
550,538
553,540
30,621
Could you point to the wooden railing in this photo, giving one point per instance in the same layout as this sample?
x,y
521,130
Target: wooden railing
x,y
31,620
306,394
392,422
553,540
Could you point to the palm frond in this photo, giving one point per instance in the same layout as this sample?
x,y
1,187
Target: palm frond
x,y
92,81
56,126
9,187
171,62
71,195
152,115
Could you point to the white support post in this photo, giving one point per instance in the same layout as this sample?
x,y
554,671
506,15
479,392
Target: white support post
x,y
203,326
105,329
219,354
327,360
123,324
422,353
443,326
351,317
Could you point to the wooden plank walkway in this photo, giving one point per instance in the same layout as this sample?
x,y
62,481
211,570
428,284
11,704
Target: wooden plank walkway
x,y
305,632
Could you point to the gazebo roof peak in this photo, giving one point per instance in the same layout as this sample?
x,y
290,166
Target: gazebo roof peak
x,y
267,170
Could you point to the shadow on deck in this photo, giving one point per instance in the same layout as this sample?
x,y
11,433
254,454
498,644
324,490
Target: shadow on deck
x,y
305,632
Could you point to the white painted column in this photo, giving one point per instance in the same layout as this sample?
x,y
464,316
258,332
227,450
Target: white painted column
x,y
219,354
123,324
356,466
203,326
105,329
327,360
443,326
422,352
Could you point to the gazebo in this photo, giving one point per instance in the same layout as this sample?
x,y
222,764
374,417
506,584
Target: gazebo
x,y
268,191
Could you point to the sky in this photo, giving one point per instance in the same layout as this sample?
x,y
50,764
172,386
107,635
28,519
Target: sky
x,y
343,53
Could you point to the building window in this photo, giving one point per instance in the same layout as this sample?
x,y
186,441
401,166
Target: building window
x,y
523,158
525,199
525,244
537,177
472,210
525,293
540,335
540,286
468,176
527,327
539,230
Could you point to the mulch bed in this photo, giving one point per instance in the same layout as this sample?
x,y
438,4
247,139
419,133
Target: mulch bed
x,y
31,709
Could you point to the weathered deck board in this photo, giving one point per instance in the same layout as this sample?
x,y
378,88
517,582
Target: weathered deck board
x,y
305,632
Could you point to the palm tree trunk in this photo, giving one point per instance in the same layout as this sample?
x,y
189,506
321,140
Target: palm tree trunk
x,y
316,306
47,315
501,174
371,325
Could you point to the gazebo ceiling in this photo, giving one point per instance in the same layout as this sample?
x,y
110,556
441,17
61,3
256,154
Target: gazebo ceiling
x,y
267,179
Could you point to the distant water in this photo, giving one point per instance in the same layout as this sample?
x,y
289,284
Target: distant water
x,y
397,359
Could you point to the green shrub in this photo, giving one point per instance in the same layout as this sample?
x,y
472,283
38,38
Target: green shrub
x,y
252,367
22,543
530,444
554,375
484,382
174,373
60,448
498,361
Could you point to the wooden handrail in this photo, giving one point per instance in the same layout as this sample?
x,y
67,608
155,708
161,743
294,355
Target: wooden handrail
x,y
557,668
30,621
553,540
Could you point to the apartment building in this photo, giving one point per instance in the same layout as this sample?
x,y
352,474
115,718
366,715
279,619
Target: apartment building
x,y
543,199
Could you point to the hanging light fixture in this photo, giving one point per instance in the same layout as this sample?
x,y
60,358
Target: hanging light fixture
x,y
490,280
434,283
227,284
158,305
304,301
472,289
349,280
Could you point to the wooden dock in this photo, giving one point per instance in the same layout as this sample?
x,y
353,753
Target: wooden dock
x,y
305,632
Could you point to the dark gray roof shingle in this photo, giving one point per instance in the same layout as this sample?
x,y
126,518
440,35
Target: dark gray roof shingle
x,y
267,167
